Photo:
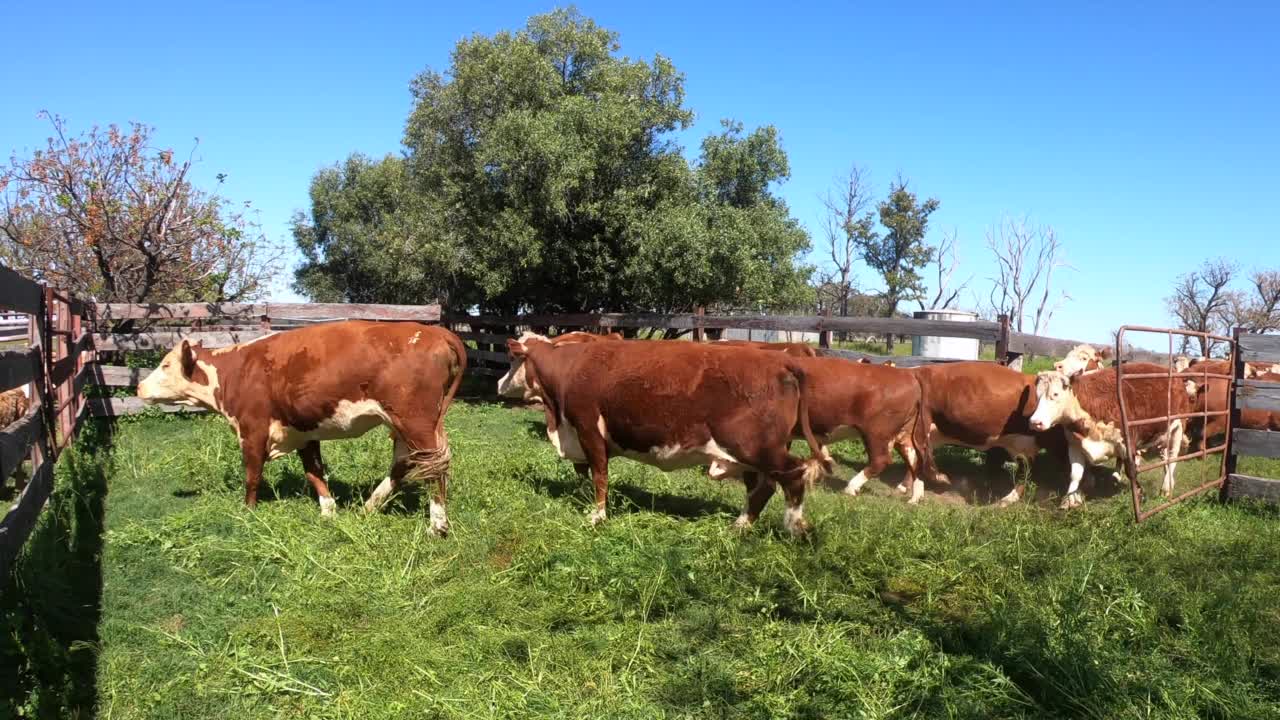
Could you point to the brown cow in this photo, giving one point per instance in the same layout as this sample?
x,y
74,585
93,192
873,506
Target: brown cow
x,y
515,375
1088,407
982,405
13,405
793,349
288,391
672,405
880,404
1212,397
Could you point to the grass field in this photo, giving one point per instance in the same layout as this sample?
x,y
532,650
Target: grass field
x,y
151,591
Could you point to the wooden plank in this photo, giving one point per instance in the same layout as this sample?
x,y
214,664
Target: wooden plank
x,y
1247,486
495,372
16,439
353,311
17,367
109,312
115,375
1024,344
1257,395
984,331
166,340
22,516
18,293
1259,348
497,357
115,407
1256,443
898,360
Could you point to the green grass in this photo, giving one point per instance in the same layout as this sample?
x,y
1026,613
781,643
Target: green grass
x,y
945,610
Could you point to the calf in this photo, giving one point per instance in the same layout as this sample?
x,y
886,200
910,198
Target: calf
x,y
1088,408
983,406
672,405
289,391
13,405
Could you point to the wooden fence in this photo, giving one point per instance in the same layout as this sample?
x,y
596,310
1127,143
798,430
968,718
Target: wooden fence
x,y
72,344
52,368
1252,395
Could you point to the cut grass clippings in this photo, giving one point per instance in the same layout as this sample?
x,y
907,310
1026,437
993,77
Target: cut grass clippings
x,y
945,610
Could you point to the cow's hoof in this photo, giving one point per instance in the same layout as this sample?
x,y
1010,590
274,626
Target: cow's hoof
x,y
1071,501
942,478
743,523
441,530
914,501
799,528
902,488
852,491
597,516
328,507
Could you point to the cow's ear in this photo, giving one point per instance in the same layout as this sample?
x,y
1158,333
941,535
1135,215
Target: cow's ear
x,y
1106,353
515,347
188,355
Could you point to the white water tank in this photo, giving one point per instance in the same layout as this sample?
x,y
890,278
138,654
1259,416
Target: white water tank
x,y
945,347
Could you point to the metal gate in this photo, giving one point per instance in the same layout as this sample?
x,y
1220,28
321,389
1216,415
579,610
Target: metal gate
x,y
1176,383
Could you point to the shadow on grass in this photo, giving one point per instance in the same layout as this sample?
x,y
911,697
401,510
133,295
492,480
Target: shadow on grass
x,y
51,605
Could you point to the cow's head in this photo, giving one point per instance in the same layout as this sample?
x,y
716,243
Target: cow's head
x,y
1082,359
181,378
517,383
1054,400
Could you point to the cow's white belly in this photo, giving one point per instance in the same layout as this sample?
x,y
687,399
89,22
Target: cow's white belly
x,y
676,457
1016,445
349,420
565,440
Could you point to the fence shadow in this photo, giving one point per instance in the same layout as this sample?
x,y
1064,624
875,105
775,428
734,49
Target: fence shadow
x,y
51,605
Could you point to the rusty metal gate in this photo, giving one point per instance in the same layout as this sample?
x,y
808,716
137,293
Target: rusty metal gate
x,y
1176,383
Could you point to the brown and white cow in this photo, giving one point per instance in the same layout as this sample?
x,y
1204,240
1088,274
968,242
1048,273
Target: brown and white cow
x,y
983,406
880,404
515,375
1212,397
672,405
289,391
1083,359
1088,408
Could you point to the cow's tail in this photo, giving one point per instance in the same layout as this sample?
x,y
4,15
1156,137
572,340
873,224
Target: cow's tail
x,y
817,466
920,435
459,369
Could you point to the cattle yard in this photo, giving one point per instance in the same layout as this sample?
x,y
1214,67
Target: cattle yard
x,y
176,601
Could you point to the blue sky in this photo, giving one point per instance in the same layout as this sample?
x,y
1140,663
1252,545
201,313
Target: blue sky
x,y
1146,139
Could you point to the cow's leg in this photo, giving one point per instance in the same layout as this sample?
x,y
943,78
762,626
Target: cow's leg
x,y
1019,482
1173,448
878,455
314,468
793,487
911,481
253,449
427,460
759,490
1077,459
382,493
596,448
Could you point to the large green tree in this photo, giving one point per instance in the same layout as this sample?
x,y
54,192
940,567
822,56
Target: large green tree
x,y
542,173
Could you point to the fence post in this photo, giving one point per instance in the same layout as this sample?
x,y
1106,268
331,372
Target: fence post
x,y
1233,417
1002,341
699,334
824,336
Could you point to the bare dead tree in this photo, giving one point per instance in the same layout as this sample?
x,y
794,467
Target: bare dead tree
x,y
947,259
848,221
1201,300
1257,310
1026,257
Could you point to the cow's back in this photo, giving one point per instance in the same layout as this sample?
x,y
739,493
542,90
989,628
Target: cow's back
x,y
975,401
1145,398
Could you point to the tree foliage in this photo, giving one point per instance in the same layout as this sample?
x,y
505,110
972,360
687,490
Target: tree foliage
x,y
109,217
1026,256
542,173
1204,300
899,254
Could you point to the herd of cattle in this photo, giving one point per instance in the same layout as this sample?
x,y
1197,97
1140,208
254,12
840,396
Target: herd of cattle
x,y
733,406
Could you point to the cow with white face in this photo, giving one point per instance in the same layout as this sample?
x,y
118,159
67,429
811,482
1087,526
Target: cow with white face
x,y
287,392
1083,359
1088,408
